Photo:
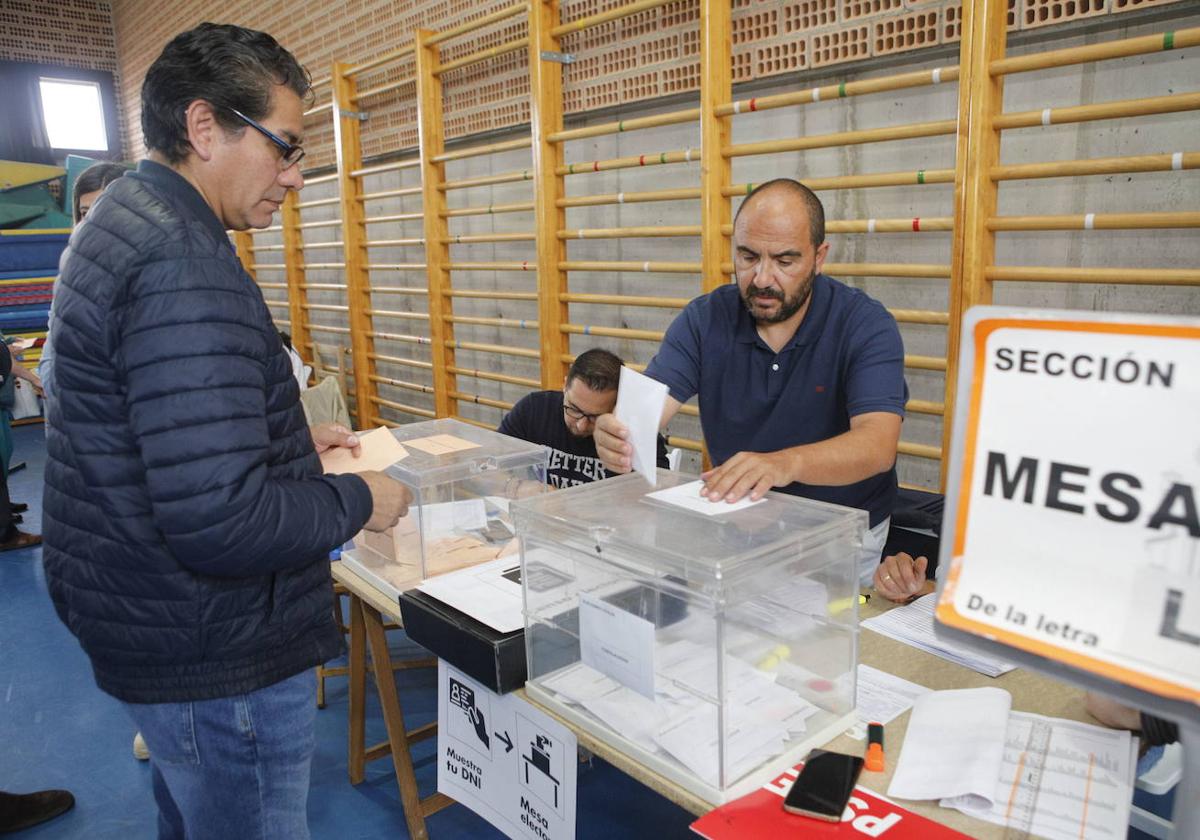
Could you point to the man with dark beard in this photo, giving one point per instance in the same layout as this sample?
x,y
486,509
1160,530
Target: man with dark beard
x,y
800,378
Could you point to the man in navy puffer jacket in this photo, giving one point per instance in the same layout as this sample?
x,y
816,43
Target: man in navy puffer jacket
x,y
187,523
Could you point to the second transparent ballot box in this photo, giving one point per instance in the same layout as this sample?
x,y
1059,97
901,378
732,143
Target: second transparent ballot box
x,y
715,644
462,479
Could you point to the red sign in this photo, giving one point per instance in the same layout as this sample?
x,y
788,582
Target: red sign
x,y
761,814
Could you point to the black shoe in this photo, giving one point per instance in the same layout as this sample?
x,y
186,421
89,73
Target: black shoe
x,y
18,507
22,810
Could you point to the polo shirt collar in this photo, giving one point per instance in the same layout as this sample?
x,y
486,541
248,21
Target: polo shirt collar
x,y
181,190
809,329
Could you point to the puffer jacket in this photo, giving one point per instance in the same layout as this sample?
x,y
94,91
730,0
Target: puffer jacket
x,y
187,525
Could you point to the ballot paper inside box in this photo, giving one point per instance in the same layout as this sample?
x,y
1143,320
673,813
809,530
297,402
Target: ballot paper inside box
x,y
712,645
462,479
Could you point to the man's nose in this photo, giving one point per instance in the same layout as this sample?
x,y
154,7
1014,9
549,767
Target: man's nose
x,y
291,177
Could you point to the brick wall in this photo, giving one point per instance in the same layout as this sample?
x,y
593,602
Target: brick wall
x,y
71,33
640,57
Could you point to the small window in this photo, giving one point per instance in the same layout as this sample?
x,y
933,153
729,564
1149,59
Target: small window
x,y
74,114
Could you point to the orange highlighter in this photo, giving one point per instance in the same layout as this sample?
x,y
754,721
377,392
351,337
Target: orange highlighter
x,y
874,759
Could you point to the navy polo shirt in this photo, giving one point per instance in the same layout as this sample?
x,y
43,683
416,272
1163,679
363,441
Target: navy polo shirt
x,y
845,359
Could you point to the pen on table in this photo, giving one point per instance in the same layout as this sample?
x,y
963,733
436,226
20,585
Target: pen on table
x,y
841,604
874,760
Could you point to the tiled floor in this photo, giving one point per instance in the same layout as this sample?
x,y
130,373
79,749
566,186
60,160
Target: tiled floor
x,y
58,730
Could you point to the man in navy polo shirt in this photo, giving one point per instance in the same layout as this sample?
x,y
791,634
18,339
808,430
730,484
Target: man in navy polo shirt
x,y
801,378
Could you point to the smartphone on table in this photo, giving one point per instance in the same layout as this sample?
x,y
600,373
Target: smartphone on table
x,y
824,785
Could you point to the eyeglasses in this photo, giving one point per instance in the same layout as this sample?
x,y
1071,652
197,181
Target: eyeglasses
x,y
575,414
289,155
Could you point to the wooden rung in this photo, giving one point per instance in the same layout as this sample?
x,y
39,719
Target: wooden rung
x,y
631,162
400,383
389,194
318,245
321,179
924,362
506,323
476,399
844,138
381,89
397,360
605,17
626,300
913,225
1096,52
489,210
310,225
324,307
493,266
659,267
399,290
487,149
482,55
1119,109
478,23
1126,276
334,330
399,217
1096,166
685,443
613,332
407,409
620,126
900,81
688,194
919,450
504,178
409,242
520,352
324,287
467,239
319,109
410,163
925,407
380,60
495,377
618,233
1096,221
409,316
318,202
482,295
400,337
396,266
846,182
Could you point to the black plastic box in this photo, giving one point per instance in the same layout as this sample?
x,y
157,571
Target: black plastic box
x,y
495,659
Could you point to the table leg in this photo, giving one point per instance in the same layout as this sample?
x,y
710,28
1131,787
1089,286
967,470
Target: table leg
x,y
356,763
414,809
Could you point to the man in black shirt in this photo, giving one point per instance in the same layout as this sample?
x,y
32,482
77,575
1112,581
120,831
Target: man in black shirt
x,y
564,420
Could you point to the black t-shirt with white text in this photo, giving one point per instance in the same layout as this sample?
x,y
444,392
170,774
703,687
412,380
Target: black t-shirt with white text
x,y
538,418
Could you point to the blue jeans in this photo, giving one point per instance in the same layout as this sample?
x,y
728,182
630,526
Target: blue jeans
x,y
236,767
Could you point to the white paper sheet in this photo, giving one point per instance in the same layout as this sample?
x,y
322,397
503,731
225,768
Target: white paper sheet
x,y
1085,787
913,625
617,643
640,402
484,593
882,697
953,746
688,496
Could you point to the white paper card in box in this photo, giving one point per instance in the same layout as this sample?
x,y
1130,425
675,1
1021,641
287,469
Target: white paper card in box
x,y
617,643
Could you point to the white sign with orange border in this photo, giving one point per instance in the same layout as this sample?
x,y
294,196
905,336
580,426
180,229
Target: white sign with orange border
x,y
1072,528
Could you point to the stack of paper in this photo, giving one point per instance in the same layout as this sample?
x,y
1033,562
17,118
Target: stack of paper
x,y
913,625
1041,776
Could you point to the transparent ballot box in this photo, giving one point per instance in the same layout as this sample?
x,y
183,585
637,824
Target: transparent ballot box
x,y
462,479
715,644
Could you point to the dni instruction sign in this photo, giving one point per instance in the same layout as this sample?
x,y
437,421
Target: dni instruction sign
x,y
504,759
1071,529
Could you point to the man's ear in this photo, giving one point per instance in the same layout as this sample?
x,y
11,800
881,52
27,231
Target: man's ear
x,y
203,130
819,259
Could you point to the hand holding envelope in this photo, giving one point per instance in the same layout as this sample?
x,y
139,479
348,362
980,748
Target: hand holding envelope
x,y
640,402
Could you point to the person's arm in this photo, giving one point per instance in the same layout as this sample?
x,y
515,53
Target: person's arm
x,y
190,362
21,372
900,578
868,449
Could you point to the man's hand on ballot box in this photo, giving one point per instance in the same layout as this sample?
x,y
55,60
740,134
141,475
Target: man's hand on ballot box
x,y
390,498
